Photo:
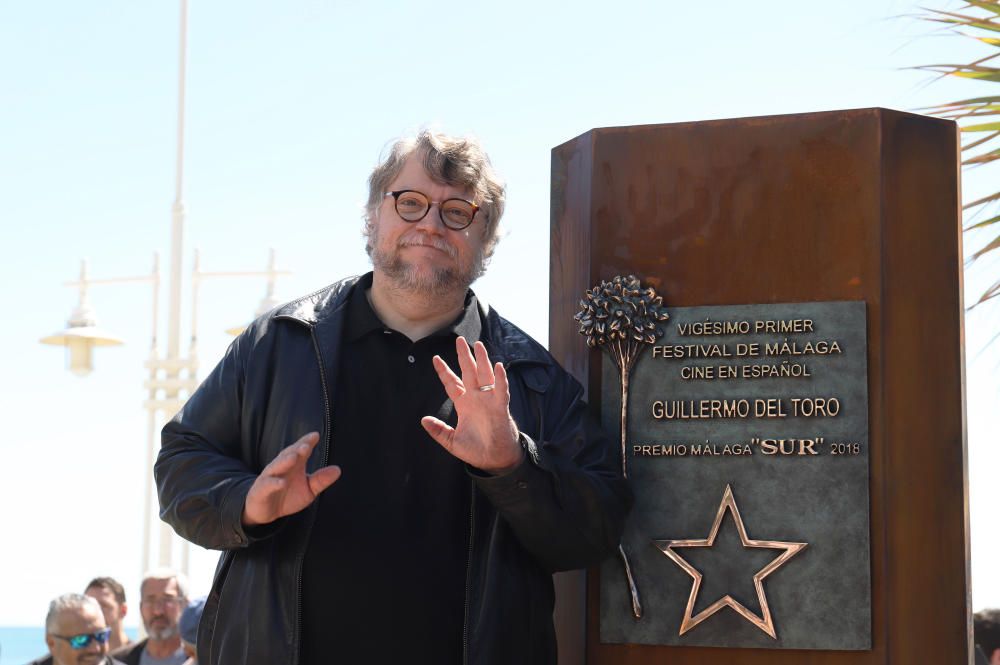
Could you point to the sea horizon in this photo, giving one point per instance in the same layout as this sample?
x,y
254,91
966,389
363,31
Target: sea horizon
x,y
22,644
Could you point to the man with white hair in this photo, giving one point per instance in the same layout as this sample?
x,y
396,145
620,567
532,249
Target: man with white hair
x,y
163,597
110,595
472,469
76,633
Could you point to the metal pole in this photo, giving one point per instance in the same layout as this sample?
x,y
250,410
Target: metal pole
x,y
177,234
176,258
151,424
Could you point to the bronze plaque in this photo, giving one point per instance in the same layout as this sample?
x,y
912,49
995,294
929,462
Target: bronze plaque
x,y
747,449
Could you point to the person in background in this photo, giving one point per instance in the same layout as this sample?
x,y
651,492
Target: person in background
x,y
163,596
76,633
110,595
986,634
189,629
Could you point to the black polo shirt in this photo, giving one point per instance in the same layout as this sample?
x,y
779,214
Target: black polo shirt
x,y
385,570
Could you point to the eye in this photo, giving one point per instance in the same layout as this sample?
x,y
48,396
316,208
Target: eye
x,y
410,201
457,212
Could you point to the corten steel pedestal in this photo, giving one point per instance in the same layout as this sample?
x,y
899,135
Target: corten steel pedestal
x,y
837,206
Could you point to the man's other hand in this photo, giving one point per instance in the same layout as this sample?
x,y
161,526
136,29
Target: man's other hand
x,y
485,435
284,487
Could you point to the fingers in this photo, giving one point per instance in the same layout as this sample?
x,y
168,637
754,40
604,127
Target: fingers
x,y
323,478
502,387
440,432
466,362
484,372
294,454
284,487
453,385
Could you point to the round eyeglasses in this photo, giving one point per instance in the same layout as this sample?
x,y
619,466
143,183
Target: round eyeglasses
x,y
412,206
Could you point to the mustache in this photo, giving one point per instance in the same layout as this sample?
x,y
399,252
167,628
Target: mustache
x,y
427,241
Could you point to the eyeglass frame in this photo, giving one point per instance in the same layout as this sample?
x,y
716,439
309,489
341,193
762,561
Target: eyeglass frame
x,y
100,636
163,601
396,194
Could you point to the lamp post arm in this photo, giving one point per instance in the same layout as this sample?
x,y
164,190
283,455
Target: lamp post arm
x,y
198,276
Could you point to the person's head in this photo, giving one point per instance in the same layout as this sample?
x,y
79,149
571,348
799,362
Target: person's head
x,y
412,237
190,619
75,630
163,596
110,595
986,633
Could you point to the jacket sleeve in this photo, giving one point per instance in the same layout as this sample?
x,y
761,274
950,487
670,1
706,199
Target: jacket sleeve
x,y
202,473
568,501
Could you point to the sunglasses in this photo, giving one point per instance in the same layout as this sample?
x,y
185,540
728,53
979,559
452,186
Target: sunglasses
x,y
83,641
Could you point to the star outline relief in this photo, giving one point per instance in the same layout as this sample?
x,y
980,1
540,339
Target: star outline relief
x,y
764,622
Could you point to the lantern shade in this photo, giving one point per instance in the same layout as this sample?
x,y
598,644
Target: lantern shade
x,y
268,303
236,330
80,341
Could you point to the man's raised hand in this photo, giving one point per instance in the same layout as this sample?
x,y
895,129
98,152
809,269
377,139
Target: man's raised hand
x,y
485,435
284,487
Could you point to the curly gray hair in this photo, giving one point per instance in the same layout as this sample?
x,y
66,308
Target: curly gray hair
x,y
450,160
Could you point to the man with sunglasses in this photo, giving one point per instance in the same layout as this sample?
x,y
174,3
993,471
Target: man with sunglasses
x,y
110,595
76,633
471,468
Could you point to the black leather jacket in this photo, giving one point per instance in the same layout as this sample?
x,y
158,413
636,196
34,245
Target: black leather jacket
x,y
564,507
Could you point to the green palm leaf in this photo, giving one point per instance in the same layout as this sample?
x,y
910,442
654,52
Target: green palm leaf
x,y
971,20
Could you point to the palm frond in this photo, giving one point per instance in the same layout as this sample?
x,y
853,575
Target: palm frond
x,y
978,117
988,294
978,202
984,223
989,247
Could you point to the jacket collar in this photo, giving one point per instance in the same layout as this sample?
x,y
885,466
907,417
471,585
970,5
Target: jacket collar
x,y
506,342
320,306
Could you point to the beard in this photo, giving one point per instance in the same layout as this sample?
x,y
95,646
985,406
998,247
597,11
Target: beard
x,y
162,633
406,276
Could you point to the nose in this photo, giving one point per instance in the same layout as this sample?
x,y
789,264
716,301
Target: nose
x,y
431,222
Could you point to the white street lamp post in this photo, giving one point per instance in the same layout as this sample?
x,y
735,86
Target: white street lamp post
x,y
171,378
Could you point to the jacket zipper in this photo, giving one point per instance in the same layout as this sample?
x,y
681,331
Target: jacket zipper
x,y
468,565
468,574
326,460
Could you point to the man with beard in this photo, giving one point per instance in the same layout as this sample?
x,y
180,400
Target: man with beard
x,y
76,633
163,597
471,468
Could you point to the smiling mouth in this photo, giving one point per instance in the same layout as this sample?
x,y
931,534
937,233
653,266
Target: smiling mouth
x,y
443,248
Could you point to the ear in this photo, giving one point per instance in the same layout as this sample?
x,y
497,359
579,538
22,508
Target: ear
x,y
49,641
122,610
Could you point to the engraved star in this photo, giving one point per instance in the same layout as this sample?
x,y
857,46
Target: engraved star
x,y
765,622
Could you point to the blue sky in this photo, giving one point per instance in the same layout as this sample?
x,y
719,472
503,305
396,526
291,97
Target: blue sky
x,y
289,105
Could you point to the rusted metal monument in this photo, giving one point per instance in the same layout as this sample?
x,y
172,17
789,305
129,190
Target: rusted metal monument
x,y
792,420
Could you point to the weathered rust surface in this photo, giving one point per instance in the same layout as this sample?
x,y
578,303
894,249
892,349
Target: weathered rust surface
x,y
714,213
